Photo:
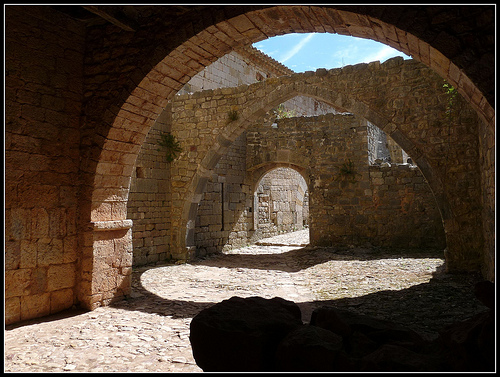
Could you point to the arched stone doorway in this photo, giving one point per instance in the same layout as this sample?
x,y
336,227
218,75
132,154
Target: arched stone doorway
x,y
280,202
153,84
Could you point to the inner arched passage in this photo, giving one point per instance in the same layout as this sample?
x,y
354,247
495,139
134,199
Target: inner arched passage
x,y
280,203
108,160
254,112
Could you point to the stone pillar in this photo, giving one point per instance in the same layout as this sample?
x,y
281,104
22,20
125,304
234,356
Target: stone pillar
x,y
463,247
106,266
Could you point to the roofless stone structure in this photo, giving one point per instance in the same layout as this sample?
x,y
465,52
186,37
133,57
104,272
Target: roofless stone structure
x,y
384,94
84,85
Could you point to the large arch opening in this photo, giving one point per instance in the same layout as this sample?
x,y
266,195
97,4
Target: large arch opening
x,y
109,195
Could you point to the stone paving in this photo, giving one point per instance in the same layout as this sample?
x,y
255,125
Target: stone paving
x,y
149,332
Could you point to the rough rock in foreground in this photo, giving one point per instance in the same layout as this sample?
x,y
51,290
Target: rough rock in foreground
x,y
257,334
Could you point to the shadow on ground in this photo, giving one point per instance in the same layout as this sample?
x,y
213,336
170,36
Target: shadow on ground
x,y
426,308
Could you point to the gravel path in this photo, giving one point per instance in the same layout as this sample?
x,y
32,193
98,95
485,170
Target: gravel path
x,y
149,332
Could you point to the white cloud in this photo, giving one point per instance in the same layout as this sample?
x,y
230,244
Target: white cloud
x,y
344,56
383,54
296,48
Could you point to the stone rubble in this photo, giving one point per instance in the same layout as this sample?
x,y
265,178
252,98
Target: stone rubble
x,y
149,332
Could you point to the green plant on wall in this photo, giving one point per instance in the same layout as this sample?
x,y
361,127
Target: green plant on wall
x,y
171,145
452,95
232,115
347,171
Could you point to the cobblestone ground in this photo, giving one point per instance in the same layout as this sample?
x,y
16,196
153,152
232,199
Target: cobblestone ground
x,y
149,332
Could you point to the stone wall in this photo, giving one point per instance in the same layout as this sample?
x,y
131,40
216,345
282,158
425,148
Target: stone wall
x,y
247,66
230,215
222,220
150,199
43,103
244,66
377,144
391,206
404,209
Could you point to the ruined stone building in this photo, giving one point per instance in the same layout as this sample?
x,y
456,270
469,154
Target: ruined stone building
x,y
90,90
236,207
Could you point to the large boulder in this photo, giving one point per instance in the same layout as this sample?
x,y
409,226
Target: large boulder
x,y
242,334
375,331
485,292
469,346
375,345
257,335
311,349
395,358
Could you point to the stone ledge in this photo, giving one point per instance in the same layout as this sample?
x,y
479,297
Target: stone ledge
x,y
112,225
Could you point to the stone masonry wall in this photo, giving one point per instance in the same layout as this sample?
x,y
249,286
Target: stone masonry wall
x,y
150,199
222,220
231,216
280,203
388,206
367,207
405,211
247,66
377,144
43,102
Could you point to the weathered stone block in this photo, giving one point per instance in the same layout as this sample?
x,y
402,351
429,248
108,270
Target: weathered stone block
x,y
309,349
17,282
61,300
61,276
35,306
12,310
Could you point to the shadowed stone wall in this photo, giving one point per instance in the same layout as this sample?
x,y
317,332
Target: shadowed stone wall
x,y
150,198
43,88
222,219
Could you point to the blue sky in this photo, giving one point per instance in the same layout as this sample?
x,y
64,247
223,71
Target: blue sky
x,y
310,51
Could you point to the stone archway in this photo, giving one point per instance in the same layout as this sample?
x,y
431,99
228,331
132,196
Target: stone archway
x,y
261,97
279,208
107,169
